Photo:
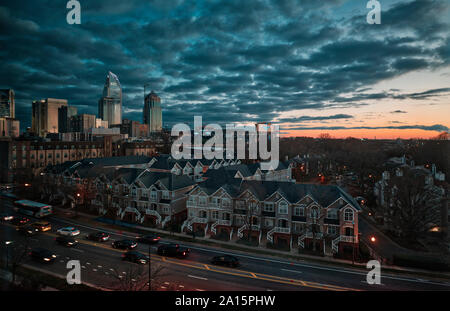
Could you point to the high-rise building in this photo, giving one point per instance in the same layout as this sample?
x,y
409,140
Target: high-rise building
x,y
152,112
45,115
110,105
81,123
9,127
7,104
64,114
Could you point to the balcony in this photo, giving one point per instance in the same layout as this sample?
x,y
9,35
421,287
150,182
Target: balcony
x,y
286,230
268,214
299,218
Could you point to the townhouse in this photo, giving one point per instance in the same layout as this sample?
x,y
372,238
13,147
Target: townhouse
x,y
284,214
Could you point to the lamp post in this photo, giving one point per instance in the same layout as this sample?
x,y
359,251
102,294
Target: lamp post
x,y
353,244
149,269
7,243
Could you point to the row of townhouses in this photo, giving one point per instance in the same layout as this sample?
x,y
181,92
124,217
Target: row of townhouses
x,y
220,199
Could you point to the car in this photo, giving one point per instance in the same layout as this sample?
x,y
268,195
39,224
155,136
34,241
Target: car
x,y
98,236
173,250
20,221
42,255
66,240
148,239
27,230
124,244
42,226
70,231
136,257
6,217
225,260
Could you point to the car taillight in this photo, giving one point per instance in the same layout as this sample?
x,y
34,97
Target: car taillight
x,y
184,253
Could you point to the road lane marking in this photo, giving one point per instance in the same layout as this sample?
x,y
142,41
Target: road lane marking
x,y
295,271
267,259
197,277
77,250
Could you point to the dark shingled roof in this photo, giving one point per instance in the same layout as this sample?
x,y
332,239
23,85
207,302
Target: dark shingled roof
x,y
170,181
323,194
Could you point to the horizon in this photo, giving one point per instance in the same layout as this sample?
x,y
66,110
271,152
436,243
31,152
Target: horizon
x,y
328,71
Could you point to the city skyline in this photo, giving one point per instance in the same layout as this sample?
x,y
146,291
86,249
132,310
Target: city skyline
x,y
326,72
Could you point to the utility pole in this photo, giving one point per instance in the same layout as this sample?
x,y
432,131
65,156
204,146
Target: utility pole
x,y
149,269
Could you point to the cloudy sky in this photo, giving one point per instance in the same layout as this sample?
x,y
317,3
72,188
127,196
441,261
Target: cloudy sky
x,y
312,66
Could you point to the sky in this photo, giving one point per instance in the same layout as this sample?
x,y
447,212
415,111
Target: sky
x,y
310,66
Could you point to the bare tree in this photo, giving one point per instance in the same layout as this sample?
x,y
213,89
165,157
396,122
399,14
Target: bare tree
x,y
411,205
136,277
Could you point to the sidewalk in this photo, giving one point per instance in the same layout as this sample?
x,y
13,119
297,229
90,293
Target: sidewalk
x,y
244,249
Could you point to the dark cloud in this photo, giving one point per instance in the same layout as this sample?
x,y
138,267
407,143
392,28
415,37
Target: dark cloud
x,y
229,61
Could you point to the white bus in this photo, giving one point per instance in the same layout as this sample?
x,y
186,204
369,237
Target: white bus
x,y
34,209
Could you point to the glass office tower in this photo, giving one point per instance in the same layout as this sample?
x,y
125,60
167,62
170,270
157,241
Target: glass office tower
x,y
110,105
153,112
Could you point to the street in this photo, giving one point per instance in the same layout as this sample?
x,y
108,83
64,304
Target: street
x,y
101,265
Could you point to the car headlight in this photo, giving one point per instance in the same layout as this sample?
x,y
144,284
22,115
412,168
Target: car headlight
x,y
54,256
47,259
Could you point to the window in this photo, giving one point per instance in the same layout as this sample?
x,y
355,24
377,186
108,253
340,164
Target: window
x,y
314,213
268,207
332,230
202,200
299,211
165,194
215,215
332,213
153,195
282,208
348,215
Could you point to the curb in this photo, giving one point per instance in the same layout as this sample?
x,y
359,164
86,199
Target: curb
x,y
267,252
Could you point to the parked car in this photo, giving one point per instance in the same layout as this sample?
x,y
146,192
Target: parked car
x,y
225,260
20,221
98,236
124,244
136,257
70,231
42,226
6,217
66,240
173,250
27,230
149,238
42,255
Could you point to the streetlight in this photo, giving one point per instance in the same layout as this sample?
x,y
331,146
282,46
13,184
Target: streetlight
x,y
7,243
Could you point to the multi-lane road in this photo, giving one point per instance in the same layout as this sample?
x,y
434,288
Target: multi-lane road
x,y
101,264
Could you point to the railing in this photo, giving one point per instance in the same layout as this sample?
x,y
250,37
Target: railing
x,y
301,241
309,235
164,222
130,210
270,235
342,238
152,212
335,244
220,222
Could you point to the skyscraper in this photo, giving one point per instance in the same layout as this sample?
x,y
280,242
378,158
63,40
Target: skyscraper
x,y
110,105
7,104
64,114
153,112
45,115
